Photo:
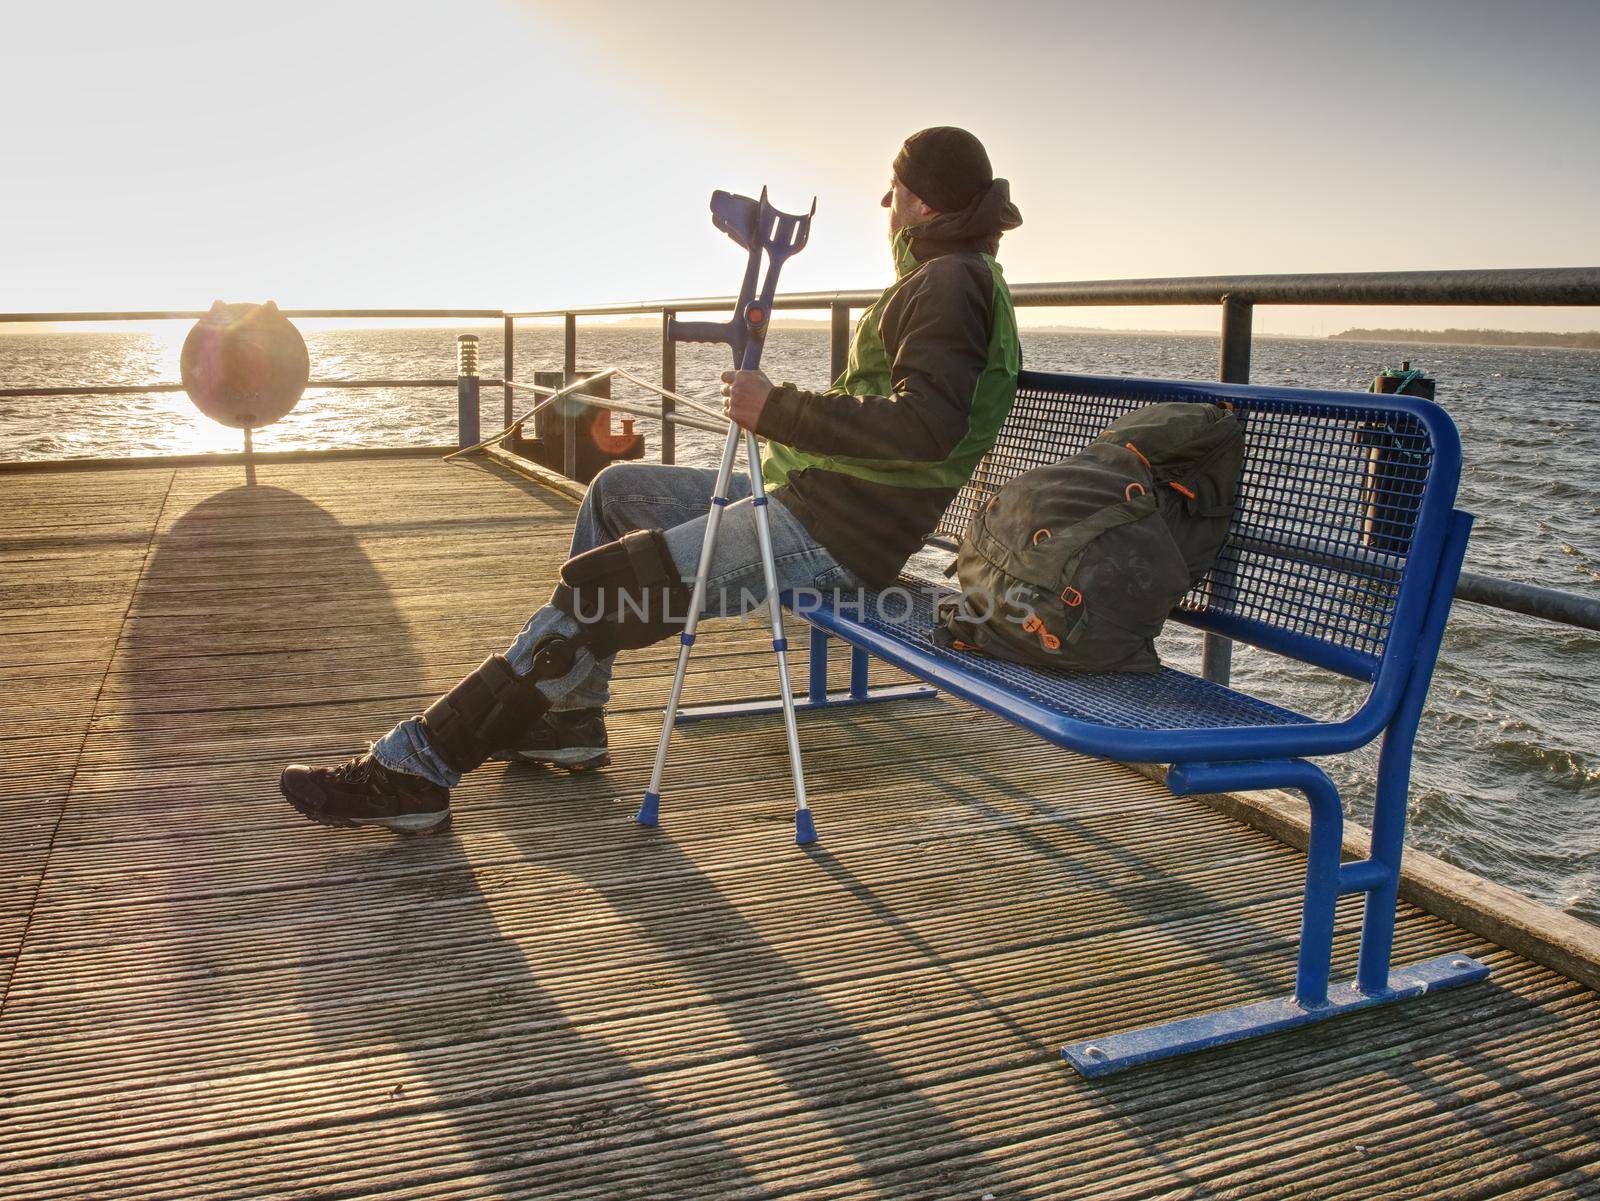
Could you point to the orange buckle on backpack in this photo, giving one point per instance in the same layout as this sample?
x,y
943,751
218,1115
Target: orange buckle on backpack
x,y
1140,453
1177,487
1039,536
1071,597
1034,626
1128,493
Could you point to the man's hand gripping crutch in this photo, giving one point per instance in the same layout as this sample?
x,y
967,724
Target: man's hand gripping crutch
x,y
760,229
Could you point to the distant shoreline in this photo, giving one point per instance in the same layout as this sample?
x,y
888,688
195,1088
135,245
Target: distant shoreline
x,y
1473,337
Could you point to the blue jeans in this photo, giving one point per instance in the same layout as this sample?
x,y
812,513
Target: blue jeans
x,y
639,496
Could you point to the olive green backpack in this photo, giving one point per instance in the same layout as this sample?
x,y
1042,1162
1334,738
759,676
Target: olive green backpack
x,y
1076,565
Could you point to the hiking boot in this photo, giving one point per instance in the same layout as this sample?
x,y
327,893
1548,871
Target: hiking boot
x,y
570,738
363,792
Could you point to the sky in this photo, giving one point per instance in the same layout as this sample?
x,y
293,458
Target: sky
x,y
525,154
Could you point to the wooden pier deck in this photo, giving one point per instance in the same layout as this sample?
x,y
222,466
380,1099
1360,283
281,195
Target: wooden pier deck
x,y
206,996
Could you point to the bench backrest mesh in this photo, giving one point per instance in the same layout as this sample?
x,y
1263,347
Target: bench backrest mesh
x,y
1331,499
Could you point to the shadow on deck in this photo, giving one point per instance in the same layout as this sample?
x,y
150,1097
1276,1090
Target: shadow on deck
x,y
208,996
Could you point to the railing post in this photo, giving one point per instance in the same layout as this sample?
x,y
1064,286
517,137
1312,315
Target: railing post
x,y
466,390
569,409
669,381
509,349
839,339
1233,367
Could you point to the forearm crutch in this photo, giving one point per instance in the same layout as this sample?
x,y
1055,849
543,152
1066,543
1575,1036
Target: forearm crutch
x,y
760,229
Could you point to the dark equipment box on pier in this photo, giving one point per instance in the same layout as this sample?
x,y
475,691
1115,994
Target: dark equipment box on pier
x,y
598,444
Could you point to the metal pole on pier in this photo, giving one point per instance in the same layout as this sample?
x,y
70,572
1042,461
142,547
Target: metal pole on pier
x,y
669,381
569,410
467,390
508,366
1233,367
839,339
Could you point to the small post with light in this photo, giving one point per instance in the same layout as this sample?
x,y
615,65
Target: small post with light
x,y
467,386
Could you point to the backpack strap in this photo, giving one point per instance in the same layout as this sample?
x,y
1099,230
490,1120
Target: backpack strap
x,y
1043,567
1196,498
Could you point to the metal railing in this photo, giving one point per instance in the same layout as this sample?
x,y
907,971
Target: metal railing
x,y
196,314
1236,295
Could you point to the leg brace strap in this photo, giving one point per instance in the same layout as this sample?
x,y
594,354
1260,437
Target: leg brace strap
x,y
624,594
493,705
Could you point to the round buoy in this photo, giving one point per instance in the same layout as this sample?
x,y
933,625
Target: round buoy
x,y
245,365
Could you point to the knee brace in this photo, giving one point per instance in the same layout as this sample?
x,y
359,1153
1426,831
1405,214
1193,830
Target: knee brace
x,y
625,594
493,705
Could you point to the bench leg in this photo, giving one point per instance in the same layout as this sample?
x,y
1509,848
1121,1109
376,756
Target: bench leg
x,y
1394,768
1378,876
1388,838
1314,999
817,694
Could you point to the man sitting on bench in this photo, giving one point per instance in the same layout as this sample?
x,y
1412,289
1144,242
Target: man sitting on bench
x,y
862,472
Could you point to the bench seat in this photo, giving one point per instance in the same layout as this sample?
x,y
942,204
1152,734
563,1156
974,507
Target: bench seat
x,y
1166,717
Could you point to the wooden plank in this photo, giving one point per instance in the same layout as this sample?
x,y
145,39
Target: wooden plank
x,y
70,557
550,1001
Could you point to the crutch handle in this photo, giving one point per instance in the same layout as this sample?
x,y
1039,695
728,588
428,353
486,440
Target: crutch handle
x,y
699,331
761,230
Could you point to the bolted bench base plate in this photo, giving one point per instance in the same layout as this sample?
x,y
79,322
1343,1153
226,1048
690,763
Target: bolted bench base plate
x,y
1117,1052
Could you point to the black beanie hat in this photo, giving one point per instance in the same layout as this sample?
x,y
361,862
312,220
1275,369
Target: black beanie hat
x,y
946,167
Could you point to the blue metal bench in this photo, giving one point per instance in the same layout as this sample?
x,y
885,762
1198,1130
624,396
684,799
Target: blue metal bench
x,y
1343,553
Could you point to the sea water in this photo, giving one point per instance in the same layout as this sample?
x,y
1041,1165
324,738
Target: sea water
x,y
1507,777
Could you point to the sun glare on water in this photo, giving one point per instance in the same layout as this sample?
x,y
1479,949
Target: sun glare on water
x,y
143,423
182,428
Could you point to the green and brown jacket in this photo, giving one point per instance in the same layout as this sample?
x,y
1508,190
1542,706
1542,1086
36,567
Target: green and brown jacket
x,y
869,465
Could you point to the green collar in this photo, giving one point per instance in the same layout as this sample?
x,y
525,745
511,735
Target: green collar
x,y
900,246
